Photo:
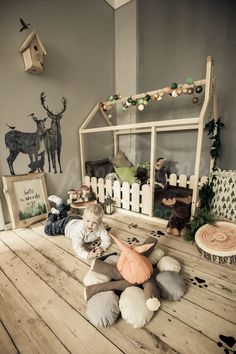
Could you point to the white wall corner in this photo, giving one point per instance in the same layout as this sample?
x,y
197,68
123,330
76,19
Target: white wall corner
x,y
115,4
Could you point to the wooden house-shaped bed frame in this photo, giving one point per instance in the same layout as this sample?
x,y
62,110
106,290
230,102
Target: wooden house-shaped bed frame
x,y
141,199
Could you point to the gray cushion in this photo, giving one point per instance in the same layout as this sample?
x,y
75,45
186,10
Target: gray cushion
x,y
171,285
103,309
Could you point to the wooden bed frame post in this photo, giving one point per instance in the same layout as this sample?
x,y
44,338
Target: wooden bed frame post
x,y
201,124
153,155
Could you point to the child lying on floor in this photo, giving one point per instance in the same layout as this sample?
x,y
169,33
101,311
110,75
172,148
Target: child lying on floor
x,y
89,236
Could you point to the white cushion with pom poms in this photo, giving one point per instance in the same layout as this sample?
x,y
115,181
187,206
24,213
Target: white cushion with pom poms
x,y
133,307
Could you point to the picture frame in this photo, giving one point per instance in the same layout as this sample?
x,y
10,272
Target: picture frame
x,y
26,197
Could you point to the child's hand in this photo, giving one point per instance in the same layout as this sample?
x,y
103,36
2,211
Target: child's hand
x,y
92,254
99,251
96,252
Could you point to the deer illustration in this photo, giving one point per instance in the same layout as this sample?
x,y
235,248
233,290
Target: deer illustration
x,y
37,165
26,143
53,138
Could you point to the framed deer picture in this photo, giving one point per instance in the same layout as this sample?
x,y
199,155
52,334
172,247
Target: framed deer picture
x,y
26,197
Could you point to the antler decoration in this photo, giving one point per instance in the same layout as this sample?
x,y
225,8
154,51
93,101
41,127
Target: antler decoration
x,y
43,99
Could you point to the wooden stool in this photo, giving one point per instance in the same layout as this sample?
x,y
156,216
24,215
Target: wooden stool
x,y
217,243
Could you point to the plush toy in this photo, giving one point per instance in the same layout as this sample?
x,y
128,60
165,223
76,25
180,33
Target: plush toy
x,y
180,214
160,173
142,175
132,268
136,304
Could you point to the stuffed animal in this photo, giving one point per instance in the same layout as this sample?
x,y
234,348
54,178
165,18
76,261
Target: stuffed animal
x,y
160,173
132,268
180,214
142,175
136,305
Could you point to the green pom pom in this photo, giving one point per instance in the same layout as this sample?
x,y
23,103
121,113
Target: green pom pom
x,y
111,98
130,100
174,85
189,80
134,102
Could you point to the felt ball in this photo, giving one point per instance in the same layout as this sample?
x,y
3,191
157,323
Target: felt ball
x,y
123,108
130,100
101,104
140,107
155,97
145,102
195,100
127,103
189,80
185,90
190,91
174,93
109,115
198,89
119,96
174,85
134,102
162,94
167,90
140,101
179,91
159,98
115,97
147,97
111,98
105,107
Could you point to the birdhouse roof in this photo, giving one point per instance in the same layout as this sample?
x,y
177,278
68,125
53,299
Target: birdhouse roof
x,y
29,39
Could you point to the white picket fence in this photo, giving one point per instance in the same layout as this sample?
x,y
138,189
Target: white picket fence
x,y
134,197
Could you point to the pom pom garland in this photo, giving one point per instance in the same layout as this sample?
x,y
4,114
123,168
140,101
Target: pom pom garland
x,y
174,90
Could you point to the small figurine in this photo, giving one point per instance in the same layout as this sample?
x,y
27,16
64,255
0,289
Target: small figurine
x,y
180,214
160,173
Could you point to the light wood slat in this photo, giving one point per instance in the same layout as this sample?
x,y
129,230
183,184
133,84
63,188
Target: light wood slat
x,y
16,244
211,301
117,193
101,194
30,333
6,344
108,185
125,196
94,184
63,320
183,338
72,291
135,197
196,316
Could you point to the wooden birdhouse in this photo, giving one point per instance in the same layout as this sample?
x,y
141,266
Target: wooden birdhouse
x,y
33,53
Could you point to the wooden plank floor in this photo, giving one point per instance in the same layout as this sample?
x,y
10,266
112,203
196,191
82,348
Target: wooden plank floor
x,y
42,309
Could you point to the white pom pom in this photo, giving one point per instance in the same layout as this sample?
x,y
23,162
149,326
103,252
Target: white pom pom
x,y
153,304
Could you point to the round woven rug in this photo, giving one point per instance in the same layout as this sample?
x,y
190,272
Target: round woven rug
x,y
217,243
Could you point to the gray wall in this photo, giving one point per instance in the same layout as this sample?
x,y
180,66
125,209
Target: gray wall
x,y
79,39
174,40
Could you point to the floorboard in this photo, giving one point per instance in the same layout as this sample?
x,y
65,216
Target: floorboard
x,y
42,307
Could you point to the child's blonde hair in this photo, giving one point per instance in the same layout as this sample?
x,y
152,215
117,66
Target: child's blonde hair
x,y
95,210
